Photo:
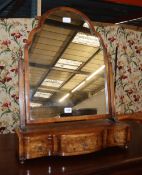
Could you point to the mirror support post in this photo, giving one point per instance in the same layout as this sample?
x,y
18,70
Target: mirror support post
x,y
113,114
21,93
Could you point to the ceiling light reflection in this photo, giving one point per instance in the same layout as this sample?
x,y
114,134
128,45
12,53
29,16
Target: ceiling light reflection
x,y
86,39
78,87
64,97
95,73
82,83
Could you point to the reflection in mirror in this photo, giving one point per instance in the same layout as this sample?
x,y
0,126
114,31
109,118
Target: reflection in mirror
x,y
67,72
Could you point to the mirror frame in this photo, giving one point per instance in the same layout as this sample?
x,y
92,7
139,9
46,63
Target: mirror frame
x,y
24,82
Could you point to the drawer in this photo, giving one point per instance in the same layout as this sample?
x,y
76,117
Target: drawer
x,y
118,136
37,146
76,144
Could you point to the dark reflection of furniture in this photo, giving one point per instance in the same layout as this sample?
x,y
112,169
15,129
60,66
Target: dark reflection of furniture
x,y
80,112
71,138
85,111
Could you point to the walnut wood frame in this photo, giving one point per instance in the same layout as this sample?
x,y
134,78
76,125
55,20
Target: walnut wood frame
x,y
24,84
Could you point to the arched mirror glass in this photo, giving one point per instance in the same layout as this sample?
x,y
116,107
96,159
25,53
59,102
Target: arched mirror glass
x,y
67,73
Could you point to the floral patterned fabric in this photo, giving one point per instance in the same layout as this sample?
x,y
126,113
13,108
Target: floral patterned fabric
x,y
128,91
14,33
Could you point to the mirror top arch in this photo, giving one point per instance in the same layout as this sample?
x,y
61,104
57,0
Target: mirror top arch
x,y
58,11
63,70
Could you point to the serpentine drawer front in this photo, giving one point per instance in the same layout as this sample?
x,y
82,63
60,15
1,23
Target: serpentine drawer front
x,y
37,146
81,143
67,139
118,136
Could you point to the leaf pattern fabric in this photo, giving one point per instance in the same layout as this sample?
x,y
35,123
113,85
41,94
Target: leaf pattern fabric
x,y
14,32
